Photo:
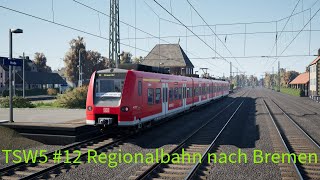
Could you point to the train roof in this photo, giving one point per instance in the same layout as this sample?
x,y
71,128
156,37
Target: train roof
x,y
113,70
117,70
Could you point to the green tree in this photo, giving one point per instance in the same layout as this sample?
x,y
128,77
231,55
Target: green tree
x,y
71,58
93,62
90,61
125,58
40,61
137,60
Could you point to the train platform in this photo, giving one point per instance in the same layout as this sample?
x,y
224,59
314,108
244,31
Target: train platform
x,y
49,126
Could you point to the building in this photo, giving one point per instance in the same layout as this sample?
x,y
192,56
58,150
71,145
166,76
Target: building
x,y
314,75
170,56
40,80
33,79
301,82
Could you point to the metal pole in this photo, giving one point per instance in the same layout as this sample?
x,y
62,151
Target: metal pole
x,y
10,78
272,78
231,72
279,78
23,76
79,82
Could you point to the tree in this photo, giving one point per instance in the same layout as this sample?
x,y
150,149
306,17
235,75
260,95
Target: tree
x,y
90,61
289,76
93,62
40,61
71,58
125,58
137,60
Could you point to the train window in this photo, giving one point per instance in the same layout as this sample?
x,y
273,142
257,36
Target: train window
x,y
176,93
158,95
171,94
150,95
139,88
180,93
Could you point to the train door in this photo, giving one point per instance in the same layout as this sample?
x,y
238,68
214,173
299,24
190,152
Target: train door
x,y
164,98
139,100
200,92
184,95
208,92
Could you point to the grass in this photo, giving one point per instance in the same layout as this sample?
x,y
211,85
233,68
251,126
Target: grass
x,y
293,92
52,104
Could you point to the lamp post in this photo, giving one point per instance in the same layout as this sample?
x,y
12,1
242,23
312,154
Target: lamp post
x,y
80,69
11,31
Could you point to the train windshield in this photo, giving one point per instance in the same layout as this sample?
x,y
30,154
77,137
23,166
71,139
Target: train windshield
x,y
108,89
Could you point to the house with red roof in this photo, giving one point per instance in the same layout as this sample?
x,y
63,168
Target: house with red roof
x,y
301,82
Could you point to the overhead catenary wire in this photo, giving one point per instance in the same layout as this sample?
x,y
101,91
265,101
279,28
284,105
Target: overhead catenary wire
x,y
278,36
223,34
75,29
212,31
297,35
189,30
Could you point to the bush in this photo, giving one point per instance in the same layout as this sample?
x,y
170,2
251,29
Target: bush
x,y
52,91
17,102
75,98
293,92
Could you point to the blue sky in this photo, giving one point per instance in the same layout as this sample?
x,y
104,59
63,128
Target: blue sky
x,y
52,40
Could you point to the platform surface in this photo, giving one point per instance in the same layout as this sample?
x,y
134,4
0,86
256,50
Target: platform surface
x,y
47,116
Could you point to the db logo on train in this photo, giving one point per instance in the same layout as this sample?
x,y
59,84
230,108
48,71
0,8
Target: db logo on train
x,y
106,110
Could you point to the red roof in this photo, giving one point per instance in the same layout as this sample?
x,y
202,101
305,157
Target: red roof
x,y
315,61
301,79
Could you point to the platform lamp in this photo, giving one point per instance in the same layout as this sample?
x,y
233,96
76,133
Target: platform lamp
x,y
11,31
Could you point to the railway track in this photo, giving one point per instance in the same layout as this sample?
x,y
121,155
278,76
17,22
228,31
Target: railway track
x,y
301,106
51,169
200,141
293,139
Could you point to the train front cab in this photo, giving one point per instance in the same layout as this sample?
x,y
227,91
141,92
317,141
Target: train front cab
x,y
104,97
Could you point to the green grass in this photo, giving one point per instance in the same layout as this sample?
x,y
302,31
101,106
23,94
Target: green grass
x,y
46,104
293,92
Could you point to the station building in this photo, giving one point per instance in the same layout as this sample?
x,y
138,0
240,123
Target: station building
x,y
171,57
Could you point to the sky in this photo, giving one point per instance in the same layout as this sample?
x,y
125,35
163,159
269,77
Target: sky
x,y
249,43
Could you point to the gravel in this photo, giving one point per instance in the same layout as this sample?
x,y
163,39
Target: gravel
x,y
11,140
166,136
305,115
247,131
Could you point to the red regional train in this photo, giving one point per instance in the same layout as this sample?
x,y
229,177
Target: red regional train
x,y
129,98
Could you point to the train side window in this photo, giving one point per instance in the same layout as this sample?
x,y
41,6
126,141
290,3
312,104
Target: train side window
x,y
171,94
139,88
176,93
180,93
158,95
150,95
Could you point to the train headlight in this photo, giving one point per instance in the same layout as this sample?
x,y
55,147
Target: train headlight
x,y
124,108
89,108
